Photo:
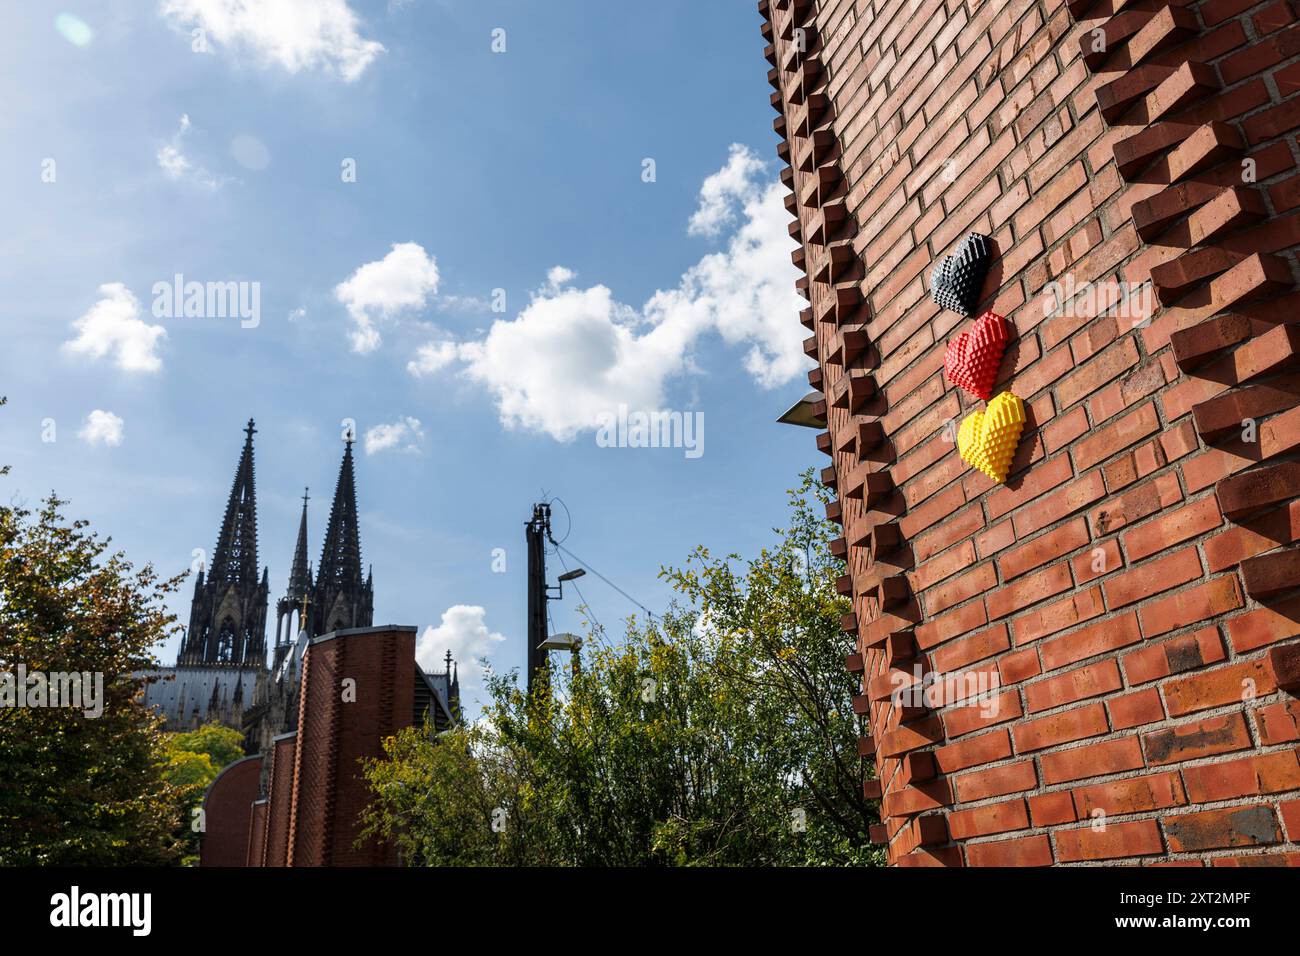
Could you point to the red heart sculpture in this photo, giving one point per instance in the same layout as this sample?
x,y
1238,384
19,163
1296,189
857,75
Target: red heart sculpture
x,y
972,358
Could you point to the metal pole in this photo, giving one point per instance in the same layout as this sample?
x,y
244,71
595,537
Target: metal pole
x,y
536,532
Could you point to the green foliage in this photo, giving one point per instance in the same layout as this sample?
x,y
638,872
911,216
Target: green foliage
x,y
193,760
77,789
719,734
185,768
438,799
223,745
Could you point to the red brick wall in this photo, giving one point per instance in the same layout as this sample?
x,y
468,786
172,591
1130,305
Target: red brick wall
x,y
227,814
256,835
334,736
279,800
1129,589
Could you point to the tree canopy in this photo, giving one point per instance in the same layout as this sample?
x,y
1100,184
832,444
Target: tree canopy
x,y
720,733
79,789
193,759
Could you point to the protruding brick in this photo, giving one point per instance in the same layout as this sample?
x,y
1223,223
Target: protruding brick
x,y
1284,666
1271,573
1244,494
1226,413
1195,346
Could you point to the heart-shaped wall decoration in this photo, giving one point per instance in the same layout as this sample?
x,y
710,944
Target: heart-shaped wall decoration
x,y
956,281
972,358
987,440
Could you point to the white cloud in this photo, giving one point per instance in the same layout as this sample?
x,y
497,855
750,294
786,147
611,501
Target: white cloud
x,y
293,34
723,191
177,166
748,290
297,314
112,326
170,158
403,280
569,356
432,357
465,632
557,277
173,162
404,434
574,353
101,428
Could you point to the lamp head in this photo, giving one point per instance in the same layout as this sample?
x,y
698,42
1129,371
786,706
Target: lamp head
x,y
561,642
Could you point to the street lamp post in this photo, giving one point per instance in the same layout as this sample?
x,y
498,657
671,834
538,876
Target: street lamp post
x,y
565,642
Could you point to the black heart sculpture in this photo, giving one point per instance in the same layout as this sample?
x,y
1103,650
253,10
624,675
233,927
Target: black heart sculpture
x,y
956,281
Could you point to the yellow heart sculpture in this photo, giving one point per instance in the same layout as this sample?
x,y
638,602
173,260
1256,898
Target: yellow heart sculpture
x,y
987,440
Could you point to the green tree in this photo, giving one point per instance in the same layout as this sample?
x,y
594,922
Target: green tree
x,y
223,745
76,789
720,733
193,760
189,770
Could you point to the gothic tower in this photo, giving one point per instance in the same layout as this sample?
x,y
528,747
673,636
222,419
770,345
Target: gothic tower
x,y
295,604
228,614
341,597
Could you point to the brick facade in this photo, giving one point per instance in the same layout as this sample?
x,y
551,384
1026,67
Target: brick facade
x,y
1129,591
228,814
275,851
357,688
334,735
256,834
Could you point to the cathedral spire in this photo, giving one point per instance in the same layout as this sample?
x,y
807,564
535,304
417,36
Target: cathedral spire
x,y
228,612
235,557
343,597
300,573
298,597
340,560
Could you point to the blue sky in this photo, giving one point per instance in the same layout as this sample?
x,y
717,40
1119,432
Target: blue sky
x,y
482,178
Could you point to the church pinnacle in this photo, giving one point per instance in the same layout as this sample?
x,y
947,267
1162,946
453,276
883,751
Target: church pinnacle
x,y
228,613
343,596
298,597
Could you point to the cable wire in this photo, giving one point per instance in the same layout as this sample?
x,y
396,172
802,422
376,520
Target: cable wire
x,y
582,597
568,518
650,614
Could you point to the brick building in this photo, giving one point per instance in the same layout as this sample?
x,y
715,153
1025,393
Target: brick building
x,y
1126,597
299,802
